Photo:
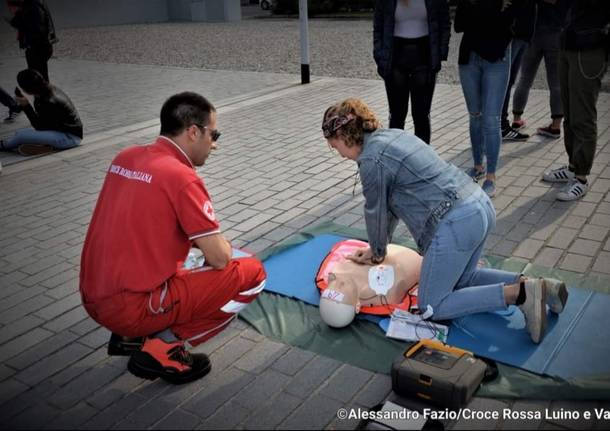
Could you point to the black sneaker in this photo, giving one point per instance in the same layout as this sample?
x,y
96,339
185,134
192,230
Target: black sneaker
x,y
123,346
170,361
549,132
511,135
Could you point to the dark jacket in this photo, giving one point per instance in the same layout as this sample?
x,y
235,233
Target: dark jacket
x,y
525,20
54,111
439,26
487,28
586,26
552,16
35,25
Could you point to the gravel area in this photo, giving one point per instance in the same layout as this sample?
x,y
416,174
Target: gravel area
x,y
339,47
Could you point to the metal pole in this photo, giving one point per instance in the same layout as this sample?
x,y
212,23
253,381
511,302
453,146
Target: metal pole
x,y
303,19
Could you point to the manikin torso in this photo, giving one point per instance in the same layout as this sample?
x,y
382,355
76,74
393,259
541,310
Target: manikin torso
x,y
371,285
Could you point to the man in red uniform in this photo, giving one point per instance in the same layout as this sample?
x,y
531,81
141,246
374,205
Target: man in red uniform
x,y
151,209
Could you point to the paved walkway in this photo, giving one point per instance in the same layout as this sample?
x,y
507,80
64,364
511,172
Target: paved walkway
x,y
272,176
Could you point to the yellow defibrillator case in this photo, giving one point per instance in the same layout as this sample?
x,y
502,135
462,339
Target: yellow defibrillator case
x,y
437,373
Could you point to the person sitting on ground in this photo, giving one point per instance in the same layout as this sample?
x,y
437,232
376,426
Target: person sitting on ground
x,y
152,207
55,121
448,215
352,286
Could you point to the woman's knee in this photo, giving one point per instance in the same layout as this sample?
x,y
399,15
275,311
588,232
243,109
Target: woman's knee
x,y
490,123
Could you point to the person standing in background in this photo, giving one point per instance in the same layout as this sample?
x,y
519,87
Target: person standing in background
x,y
484,67
551,20
410,39
583,61
523,31
36,33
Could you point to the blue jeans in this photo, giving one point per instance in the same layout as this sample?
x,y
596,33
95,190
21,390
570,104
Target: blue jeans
x,y
451,281
484,86
58,140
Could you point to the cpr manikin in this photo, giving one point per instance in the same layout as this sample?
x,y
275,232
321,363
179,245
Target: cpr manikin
x,y
378,289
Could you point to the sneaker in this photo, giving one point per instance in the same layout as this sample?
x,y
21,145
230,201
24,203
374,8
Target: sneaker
x,y
489,187
559,175
475,175
124,346
556,294
170,361
549,132
34,150
573,191
512,135
12,115
534,308
518,124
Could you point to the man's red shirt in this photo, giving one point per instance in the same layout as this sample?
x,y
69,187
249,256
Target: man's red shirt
x,y
152,205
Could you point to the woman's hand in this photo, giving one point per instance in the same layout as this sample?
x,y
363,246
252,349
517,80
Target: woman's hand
x,y
362,255
22,101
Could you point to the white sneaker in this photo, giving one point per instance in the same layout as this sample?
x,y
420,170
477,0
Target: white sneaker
x,y
559,175
556,294
575,190
534,308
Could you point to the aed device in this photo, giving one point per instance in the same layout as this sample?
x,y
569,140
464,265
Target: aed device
x,y
437,373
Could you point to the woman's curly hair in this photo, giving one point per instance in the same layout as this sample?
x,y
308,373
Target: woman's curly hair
x,y
362,120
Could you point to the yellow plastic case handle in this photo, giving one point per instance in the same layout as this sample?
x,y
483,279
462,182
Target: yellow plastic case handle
x,y
437,345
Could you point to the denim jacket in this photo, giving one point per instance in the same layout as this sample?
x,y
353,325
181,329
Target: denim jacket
x,y
403,178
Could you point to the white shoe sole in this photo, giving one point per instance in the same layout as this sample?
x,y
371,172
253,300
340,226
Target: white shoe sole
x,y
548,135
556,300
539,314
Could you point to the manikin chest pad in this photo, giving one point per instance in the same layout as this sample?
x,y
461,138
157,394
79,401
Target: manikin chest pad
x,y
348,288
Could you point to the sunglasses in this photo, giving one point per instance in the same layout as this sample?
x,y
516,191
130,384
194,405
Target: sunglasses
x,y
330,127
214,132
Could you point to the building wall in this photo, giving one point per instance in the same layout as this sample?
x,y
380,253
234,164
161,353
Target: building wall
x,y
179,10
215,10
87,13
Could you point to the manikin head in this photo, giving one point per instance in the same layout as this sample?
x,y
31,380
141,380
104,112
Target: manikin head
x,y
352,286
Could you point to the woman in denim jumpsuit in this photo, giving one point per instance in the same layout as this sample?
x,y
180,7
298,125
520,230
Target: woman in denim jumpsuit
x,y
447,213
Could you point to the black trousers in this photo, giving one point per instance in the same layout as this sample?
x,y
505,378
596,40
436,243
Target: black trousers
x,y
411,76
37,58
8,101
